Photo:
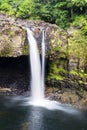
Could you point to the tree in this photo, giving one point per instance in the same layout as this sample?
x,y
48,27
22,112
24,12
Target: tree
x,y
25,9
82,4
61,14
5,7
47,13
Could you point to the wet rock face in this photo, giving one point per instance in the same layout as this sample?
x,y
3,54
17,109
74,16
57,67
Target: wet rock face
x,y
13,37
67,96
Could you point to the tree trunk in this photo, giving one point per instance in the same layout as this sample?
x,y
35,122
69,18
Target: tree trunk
x,y
72,12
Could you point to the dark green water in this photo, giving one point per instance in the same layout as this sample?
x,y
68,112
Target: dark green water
x,y
14,116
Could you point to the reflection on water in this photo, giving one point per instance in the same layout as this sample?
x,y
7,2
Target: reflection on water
x,y
36,118
14,116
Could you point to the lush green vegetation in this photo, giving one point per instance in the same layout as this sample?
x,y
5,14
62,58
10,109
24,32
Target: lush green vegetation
x,y
60,12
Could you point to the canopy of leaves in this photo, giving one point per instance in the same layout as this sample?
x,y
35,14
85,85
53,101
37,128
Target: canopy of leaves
x,y
60,12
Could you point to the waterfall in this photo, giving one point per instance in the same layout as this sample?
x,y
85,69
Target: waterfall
x,y
37,77
37,91
43,59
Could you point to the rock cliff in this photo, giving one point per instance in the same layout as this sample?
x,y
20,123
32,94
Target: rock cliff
x,y
13,37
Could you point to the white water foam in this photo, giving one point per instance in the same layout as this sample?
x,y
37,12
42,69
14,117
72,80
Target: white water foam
x,y
47,104
43,59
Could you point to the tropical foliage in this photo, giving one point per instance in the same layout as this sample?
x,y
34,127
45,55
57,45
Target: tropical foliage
x,y
60,12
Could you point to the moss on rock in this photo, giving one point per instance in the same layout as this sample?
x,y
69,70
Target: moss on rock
x,y
25,50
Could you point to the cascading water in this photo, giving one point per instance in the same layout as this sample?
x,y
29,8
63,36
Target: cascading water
x,y
43,59
37,93
37,77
